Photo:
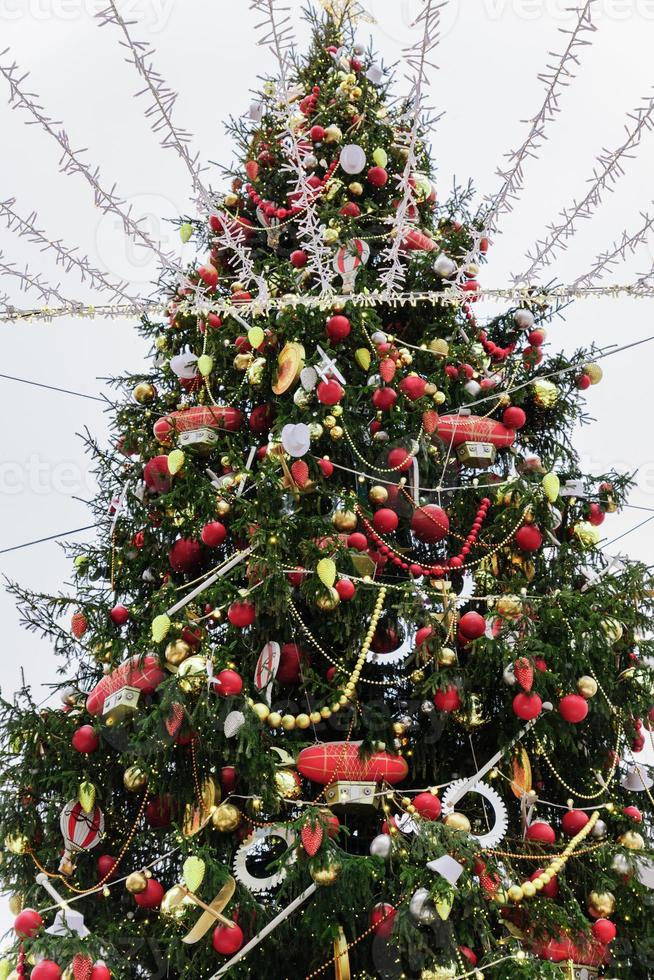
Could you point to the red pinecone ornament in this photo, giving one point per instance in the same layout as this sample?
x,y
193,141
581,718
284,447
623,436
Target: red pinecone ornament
x,y
79,625
430,421
300,472
387,369
82,966
489,883
524,673
175,719
312,835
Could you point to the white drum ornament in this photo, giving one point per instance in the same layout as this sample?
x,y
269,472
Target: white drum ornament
x,y
250,847
498,831
353,158
349,259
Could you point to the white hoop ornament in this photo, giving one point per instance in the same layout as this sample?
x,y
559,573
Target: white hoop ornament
x,y
240,859
396,656
501,825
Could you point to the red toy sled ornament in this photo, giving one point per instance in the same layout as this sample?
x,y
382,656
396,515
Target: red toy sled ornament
x,y
144,674
197,427
475,439
349,259
81,831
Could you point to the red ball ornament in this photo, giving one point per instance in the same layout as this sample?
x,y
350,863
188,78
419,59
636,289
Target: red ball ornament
x,y
317,134
596,515
378,176
514,417
472,625
213,534
326,467
152,896
100,972
46,970
261,419
27,923
583,382
573,708
413,387
299,258
156,475
107,865
529,538
228,683
541,832
350,210
346,589
384,399
551,889
633,813
399,459
385,520
158,812
604,931
228,777
185,555
338,328
430,523
527,706
291,661
427,805
85,739
382,919
423,634
209,275
573,822
329,392
227,940
241,614
447,700
359,542
119,615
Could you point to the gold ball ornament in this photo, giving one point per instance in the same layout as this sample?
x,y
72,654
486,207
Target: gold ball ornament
x,y
439,347
344,520
587,534
378,495
175,903
328,601
192,675
594,372
613,630
223,507
136,883
602,904
177,652
546,394
337,433
144,393
632,840
472,716
587,687
134,779
261,710
327,875
288,784
17,843
446,657
226,818
16,903
355,188
509,606
457,821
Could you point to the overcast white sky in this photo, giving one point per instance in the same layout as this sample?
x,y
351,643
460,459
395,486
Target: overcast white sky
x,y
489,59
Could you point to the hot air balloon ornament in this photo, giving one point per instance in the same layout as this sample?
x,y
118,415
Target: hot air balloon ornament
x,y
348,261
81,832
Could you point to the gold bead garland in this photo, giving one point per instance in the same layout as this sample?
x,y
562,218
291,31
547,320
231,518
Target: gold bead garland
x,y
289,721
517,893
583,796
379,469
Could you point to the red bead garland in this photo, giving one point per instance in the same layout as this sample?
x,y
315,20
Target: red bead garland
x,y
272,210
436,571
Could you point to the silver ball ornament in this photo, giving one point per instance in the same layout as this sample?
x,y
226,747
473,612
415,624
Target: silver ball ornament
x,y
427,707
600,829
523,319
621,864
444,266
422,909
509,675
380,846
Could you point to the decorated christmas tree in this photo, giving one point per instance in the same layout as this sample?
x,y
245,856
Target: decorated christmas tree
x,y
347,687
